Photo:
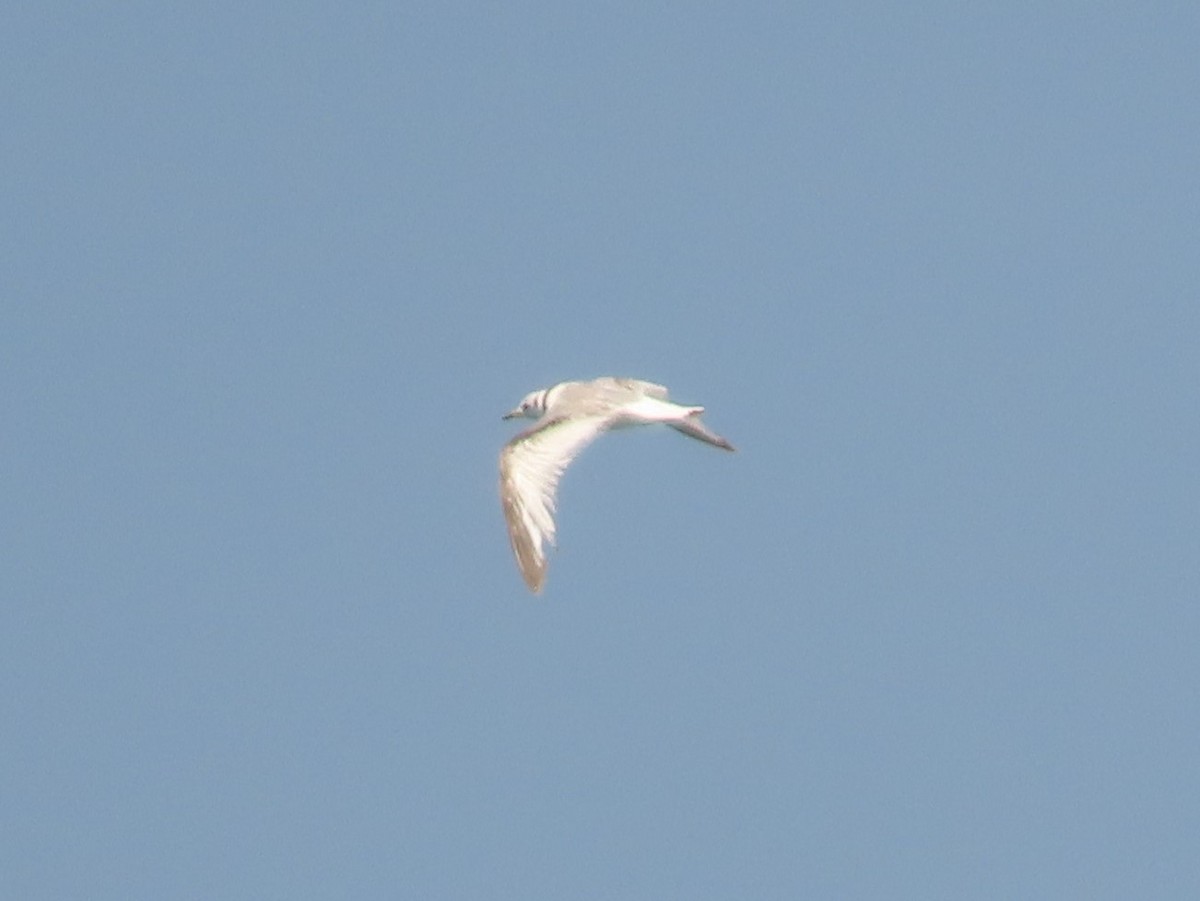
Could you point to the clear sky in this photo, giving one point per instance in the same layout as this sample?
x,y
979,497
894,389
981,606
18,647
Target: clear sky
x,y
271,272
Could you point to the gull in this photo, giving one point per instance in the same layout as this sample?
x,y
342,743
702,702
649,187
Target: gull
x,y
570,416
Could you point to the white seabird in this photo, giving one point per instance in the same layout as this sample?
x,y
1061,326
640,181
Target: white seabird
x,y
570,415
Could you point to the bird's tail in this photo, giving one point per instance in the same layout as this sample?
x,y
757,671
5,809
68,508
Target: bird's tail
x,y
694,428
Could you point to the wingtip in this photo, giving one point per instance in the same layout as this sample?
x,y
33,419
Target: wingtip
x,y
533,571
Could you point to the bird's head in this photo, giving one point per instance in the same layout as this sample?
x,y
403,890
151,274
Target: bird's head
x,y
532,406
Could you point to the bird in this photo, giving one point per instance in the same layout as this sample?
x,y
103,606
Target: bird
x,y
570,416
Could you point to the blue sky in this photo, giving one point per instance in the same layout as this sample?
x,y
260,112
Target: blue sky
x,y
271,273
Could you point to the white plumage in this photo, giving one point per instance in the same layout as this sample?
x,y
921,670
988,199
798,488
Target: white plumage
x,y
570,415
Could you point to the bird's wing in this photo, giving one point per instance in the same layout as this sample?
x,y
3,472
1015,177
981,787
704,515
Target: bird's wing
x,y
531,465
623,387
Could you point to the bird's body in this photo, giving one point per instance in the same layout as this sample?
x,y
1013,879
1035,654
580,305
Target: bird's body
x,y
570,415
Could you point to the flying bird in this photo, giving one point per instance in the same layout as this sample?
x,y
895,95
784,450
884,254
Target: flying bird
x,y
570,416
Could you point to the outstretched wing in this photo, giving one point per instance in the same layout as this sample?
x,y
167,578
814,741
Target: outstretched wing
x,y
531,465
